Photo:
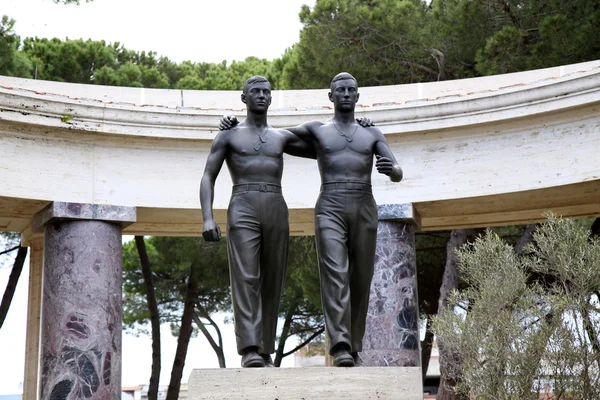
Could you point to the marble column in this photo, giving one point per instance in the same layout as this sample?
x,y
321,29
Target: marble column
x,y
81,308
392,330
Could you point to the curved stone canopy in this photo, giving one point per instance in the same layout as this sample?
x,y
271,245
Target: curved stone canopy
x,y
485,151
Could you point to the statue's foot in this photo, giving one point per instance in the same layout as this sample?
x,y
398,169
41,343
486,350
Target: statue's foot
x,y
251,359
341,356
268,360
358,361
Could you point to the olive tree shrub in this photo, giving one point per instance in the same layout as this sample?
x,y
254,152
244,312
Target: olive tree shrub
x,y
526,325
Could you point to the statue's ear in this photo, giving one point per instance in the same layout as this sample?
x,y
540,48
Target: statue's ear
x,y
357,96
244,98
330,96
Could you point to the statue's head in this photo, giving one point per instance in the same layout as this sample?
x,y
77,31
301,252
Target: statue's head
x,y
257,94
344,91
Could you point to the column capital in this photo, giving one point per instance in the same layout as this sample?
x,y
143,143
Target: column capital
x,y
405,213
64,211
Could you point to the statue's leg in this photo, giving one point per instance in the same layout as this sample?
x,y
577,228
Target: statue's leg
x,y
243,250
362,239
332,256
273,263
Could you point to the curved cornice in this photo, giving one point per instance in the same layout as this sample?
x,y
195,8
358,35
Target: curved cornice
x,y
449,106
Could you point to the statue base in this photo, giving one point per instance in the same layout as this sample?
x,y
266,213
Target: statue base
x,y
314,383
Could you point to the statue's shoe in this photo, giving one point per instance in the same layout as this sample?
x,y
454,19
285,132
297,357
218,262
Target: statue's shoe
x,y
358,361
252,359
342,358
268,360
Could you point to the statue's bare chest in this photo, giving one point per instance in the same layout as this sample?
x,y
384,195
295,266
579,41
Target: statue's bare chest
x,y
248,142
332,139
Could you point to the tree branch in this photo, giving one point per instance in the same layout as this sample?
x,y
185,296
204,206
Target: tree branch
x,y
307,341
11,286
9,250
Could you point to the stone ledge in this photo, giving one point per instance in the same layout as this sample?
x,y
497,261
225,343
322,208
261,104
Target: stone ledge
x,y
63,211
405,213
315,383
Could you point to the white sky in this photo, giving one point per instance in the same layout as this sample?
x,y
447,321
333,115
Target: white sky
x,y
196,30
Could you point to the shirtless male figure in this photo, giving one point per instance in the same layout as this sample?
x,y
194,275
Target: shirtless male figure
x,y
346,215
257,219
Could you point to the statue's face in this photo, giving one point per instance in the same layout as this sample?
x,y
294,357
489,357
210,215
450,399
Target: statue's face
x,y
344,94
258,97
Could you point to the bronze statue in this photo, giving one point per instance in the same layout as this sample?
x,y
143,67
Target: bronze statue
x,y
345,215
257,219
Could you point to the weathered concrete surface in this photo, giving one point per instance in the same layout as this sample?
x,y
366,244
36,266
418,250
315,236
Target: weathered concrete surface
x,y
316,383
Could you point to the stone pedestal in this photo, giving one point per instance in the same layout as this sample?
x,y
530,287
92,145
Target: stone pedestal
x,y
392,331
314,383
81,312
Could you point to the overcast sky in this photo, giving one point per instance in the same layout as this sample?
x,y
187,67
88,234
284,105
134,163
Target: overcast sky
x,y
197,30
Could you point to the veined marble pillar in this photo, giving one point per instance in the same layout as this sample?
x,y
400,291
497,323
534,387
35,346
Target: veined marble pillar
x,y
81,308
392,330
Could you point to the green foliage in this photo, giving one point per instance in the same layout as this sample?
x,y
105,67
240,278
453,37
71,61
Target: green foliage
x,y
76,2
538,34
302,293
524,322
171,259
11,61
379,42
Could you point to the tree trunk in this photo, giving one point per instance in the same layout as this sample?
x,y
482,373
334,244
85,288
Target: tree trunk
x,y
458,237
426,346
591,331
154,317
596,227
526,238
217,348
185,333
284,334
11,286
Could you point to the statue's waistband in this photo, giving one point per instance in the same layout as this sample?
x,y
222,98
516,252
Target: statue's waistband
x,y
256,187
343,186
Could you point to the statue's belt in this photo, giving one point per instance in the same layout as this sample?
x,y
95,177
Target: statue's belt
x,y
342,186
256,187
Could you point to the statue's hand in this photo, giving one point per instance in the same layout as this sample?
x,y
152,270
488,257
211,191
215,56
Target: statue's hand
x,y
365,122
385,166
228,122
211,231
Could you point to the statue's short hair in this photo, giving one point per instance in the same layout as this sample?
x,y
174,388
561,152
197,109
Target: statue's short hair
x,y
254,79
342,75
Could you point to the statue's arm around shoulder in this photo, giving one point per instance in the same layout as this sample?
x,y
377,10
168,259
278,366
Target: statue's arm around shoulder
x,y
306,131
386,161
298,147
214,163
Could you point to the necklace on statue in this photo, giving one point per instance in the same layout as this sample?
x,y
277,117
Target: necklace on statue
x,y
348,137
261,138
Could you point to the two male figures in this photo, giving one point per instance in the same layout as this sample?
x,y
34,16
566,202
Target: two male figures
x,y
258,230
